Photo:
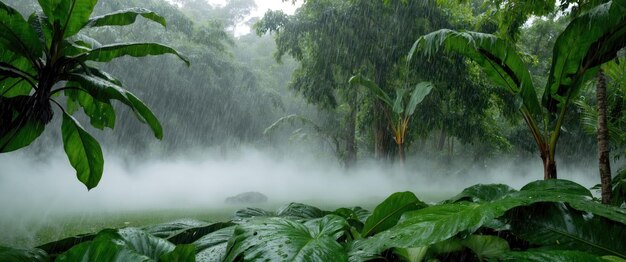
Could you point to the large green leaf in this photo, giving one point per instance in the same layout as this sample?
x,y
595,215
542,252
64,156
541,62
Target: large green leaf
x,y
212,247
498,59
127,244
100,113
10,71
190,235
22,255
70,15
169,229
415,254
481,193
252,212
300,211
182,253
17,35
108,246
387,213
557,185
398,103
420,92
280,239
550,255
109,52
373,87
486,246
589,41
145,115
21,136
144,243
83,151
105,89
437,223
60,246
125,17
42,27
19,126
556,226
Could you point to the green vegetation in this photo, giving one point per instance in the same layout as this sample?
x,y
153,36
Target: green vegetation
x,y
463,93
46,50
557,220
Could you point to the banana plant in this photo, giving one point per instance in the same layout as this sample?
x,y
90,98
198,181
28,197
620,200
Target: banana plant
x,y
401,110
45,55
589,41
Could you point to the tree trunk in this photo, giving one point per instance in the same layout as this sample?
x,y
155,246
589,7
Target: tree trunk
x,y
442,140
350,155
380,133
603,139
549,165
401,153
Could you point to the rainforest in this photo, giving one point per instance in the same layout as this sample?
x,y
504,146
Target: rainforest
x,y
312,130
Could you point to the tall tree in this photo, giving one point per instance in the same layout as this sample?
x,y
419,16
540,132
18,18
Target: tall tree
x,y
588,41
334,40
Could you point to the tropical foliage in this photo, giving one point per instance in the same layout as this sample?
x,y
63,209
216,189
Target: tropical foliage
x,y
554,220
590,40
45,55
401,111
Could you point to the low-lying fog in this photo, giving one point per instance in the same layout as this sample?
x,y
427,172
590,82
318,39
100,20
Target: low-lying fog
x,y
34,190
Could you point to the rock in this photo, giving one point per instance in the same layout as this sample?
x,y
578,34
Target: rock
x,y
247,198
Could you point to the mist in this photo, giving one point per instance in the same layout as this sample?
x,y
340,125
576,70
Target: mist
x,y
36,194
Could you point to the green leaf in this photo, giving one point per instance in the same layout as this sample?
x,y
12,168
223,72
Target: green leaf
x,y
21,136
589,41
557,185
169,229
280,239
22,255
498,59
486,246
420,92
357,213
415,254
103,90
145,115
190,235
11,71
70,15
300,211
108,245
212,246
17,35
60,246
42,27
373,87
481,193
109,52
182,253
437,223
398,106
387,213
83,151
144,243
252,212
125,17
550,255
556,226
99,88
101,113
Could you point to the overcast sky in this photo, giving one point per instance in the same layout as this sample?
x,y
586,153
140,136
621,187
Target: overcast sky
x,y
262,7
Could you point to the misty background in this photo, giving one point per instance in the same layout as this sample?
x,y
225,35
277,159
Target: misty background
x,y
217,141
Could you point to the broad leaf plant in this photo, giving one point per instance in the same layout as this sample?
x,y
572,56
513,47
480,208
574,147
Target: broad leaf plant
x,y
44,55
